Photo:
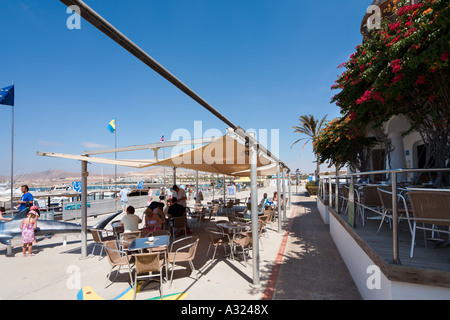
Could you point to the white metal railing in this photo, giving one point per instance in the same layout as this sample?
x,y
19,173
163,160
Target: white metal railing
x,y
326,182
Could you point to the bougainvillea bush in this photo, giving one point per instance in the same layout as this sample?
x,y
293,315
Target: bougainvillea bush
x,y
400,69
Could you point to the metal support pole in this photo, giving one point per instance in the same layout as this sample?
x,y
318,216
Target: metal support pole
x,y
396,259
351,202
84,175
284,193
254,213
336,196
279,197
12,160
224,192
196,188
289,190
174,175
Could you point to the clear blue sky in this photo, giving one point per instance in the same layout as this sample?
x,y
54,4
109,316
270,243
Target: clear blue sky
x,y
261,63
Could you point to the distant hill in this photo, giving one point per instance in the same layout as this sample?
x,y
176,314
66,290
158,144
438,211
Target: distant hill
x,y
49,175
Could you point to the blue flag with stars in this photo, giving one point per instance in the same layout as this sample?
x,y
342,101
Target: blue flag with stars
x,y
7,96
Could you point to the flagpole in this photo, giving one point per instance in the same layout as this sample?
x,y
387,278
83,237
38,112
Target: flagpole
x,y
12,157
115,157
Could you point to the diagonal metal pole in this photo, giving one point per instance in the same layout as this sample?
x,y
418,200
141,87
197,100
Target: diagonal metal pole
x,y
104,26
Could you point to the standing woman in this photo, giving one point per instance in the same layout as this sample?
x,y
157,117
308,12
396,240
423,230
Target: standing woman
x,y
28,226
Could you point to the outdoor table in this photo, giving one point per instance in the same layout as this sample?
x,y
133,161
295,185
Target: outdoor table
x,y
233,228
144,243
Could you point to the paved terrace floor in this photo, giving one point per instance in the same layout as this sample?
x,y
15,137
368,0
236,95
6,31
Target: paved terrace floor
x,y
300,262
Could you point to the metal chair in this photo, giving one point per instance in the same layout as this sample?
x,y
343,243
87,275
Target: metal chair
x,y
128,237
99,240
429,207
386,201
217,237
181,255
178,223
117,258
245,243
145,266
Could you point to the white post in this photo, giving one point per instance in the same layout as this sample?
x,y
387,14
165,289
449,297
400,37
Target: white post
x,y
283,170
254,213
279,197
84,175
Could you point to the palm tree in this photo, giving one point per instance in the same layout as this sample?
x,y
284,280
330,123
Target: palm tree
x,y
310,127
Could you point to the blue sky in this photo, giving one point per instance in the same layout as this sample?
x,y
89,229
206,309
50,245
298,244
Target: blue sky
x,y
261,63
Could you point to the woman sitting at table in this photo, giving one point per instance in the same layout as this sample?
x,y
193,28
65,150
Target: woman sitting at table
x,y
152,222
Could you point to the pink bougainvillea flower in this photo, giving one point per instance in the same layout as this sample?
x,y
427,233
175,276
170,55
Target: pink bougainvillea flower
x,y
444,57
420,79
397,78
396,65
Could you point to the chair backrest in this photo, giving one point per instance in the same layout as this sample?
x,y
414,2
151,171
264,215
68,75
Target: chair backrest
x,y
112,252
264,219
371,197
160,233
96,235
214,233
179,222
248,239
147,262
431,205
118,230
129,236
386,199
192,249
191,246
344,190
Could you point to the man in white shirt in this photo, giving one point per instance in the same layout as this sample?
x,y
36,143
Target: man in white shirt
x,y
123,195
130,221
180,194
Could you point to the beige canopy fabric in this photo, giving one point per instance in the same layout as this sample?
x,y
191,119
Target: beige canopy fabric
x,y
225,155
120,162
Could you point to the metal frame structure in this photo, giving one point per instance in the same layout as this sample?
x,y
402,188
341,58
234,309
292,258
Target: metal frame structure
x,y
104,26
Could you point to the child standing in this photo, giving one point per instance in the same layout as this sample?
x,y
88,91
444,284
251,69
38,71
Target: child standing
x,y
28,226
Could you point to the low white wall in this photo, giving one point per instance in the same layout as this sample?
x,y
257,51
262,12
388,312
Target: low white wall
x,y
370,281
323,209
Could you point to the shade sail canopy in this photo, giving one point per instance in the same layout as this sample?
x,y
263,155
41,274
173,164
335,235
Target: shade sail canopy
x,y
120,162
224,155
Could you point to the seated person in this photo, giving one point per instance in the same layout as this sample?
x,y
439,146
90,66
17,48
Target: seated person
x,y
175,210
130,221
158,208
1,215
152,221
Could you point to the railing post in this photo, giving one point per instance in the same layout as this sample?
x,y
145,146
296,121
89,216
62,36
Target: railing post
x,y
336,197
351,202
330,193
396,259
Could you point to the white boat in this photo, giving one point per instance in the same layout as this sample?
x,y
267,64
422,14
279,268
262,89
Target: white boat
x,y
60,188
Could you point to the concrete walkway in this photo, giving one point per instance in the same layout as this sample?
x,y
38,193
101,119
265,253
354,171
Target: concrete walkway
x,y
302,263
311,268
